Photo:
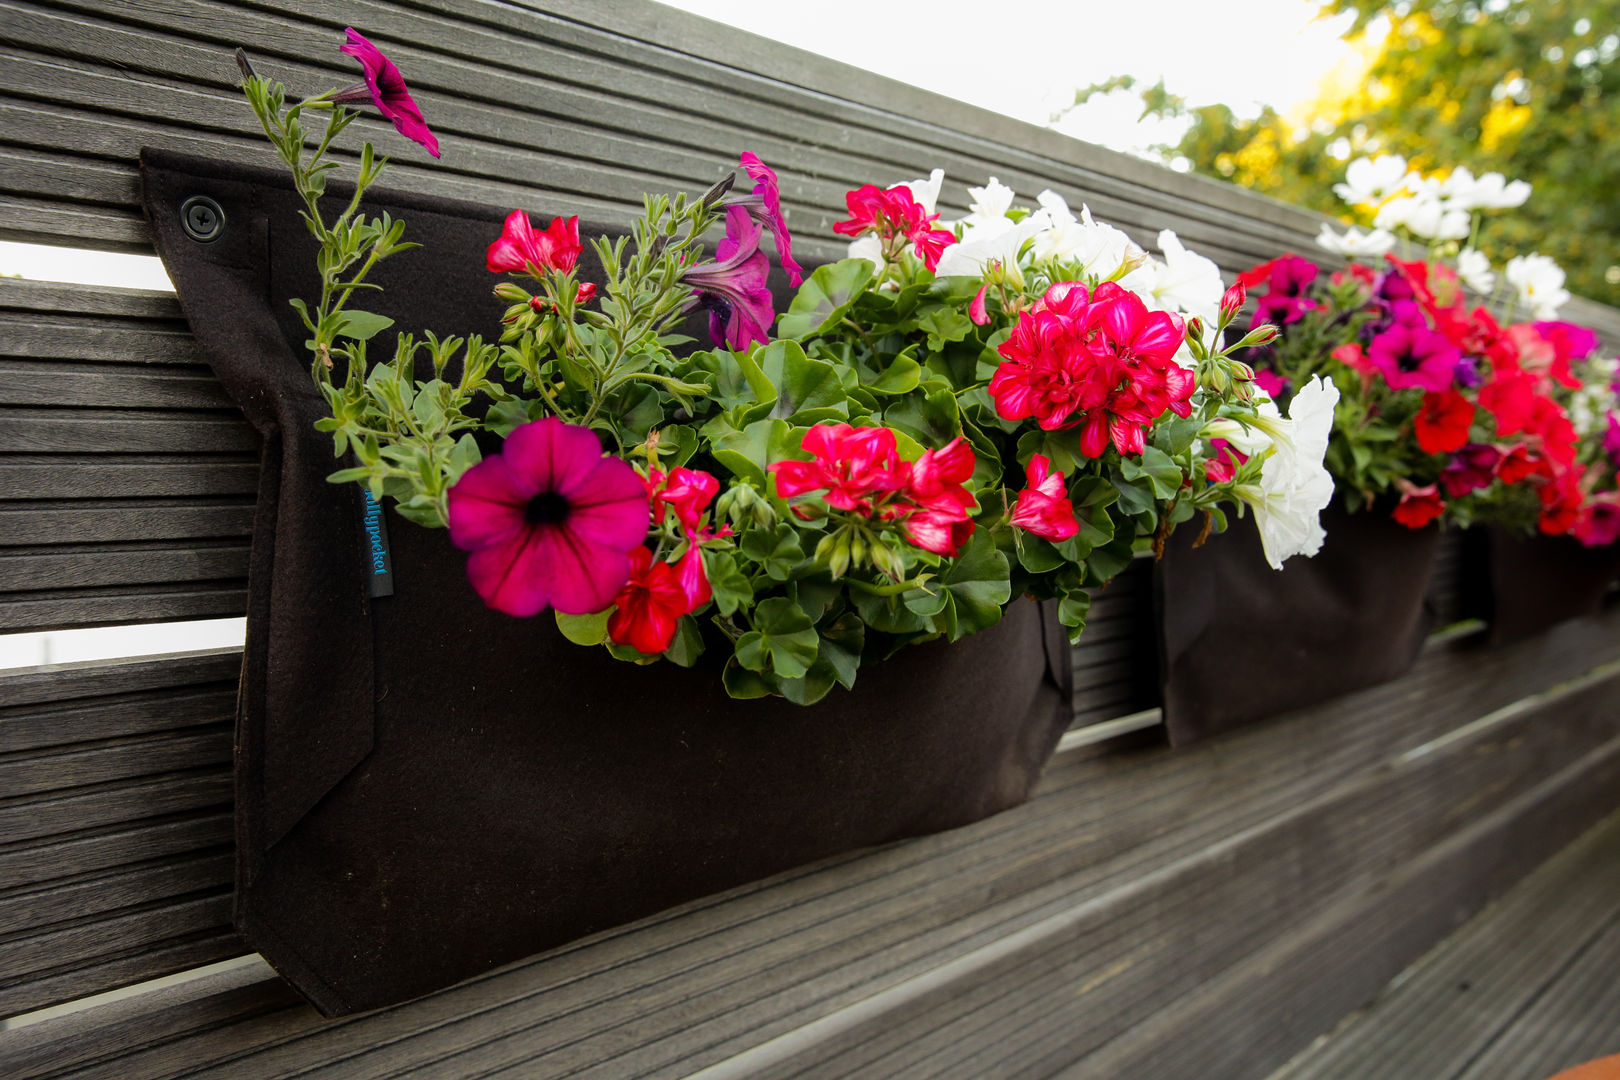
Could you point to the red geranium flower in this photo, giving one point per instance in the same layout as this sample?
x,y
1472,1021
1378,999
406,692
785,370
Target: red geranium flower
x,y
649,606
1442,423
521,249
1043,507
1419,506
852,465
897,218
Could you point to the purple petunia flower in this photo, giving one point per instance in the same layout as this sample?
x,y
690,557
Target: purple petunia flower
x,y
1611,439
765,204
732,287
1471,468
550,521
1467,373
1409,356
385,88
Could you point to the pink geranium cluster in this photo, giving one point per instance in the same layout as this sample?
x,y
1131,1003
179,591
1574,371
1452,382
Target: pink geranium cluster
x,y
1098,361
898,219
859,471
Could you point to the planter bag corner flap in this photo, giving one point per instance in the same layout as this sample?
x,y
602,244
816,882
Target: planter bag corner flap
x,y
426,788
1240,642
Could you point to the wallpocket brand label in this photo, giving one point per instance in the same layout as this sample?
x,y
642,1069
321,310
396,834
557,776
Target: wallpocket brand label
x,y
380,579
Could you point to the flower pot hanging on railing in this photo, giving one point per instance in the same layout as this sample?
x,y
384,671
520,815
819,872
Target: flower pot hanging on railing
x,y
589,621
1537,582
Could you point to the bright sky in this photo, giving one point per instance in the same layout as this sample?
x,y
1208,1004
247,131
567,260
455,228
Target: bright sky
x,y
1028,66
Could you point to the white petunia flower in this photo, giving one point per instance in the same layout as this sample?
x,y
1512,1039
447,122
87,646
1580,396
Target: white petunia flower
x,y
1187,282
1540,283
1356,243
988,244
926,192
1368,180
1493,192
990,204
1294,486
868,247
1475,270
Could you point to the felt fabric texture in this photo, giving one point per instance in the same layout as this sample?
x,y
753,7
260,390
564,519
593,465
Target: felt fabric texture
x,y
1240,642
427,788
1537,582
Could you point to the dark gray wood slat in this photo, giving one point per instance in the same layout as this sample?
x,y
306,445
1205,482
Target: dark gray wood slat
x,y
68,946
58,336
115,970
58,568
37,772
57,814
95,607
121,675
1261,1016
86,521
1109,786
1104,968
40,860
1458,999
111,386
40,221
75,301
33,430
35,727
38,477
1577,1020
96,895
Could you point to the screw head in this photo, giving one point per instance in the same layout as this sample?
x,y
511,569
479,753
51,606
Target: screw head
x,y
202,219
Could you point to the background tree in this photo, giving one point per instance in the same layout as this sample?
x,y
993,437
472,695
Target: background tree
x,y
1529,88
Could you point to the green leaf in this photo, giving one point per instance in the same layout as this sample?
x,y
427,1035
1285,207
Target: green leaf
x,y
742,683
784,640
748,453
900,377
932,419
687,645
584,629
824,298
1072,611
978,584
777,552
807,391
361,325
730,585
943,325
1156,466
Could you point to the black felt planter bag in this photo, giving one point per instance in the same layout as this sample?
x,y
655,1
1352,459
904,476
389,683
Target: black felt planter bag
x,y
427,788
1537,582
1240,642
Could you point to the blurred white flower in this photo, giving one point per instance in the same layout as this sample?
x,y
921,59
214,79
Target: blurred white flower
x,y
1368,180
1540,283
1423,215
1493,192
1294,486
1356,243
1475,270
1458,189
990,204
870,248
926,191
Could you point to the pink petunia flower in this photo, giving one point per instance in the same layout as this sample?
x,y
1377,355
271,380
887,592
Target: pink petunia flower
x,y
1043,507
385,88
1414,356
520,249
549,521
733,288
765,204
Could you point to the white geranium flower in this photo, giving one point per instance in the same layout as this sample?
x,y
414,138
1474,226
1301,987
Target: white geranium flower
x,y
926,192
988,244
1099,249
1493,192
1475,270
1368,180
1294,486
990,204
1355,243
1540,283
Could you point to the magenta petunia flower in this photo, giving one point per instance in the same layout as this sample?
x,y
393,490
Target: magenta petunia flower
x,y
765,204
1409,356
550,521
733,286
385,88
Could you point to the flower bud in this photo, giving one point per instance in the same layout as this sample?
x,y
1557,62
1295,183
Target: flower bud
x,y
1195,328
248,74
511,293
1264,334
1241,372
1232,302
712,197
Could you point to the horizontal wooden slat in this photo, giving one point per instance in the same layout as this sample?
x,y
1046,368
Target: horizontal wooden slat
x,y
34,430
80,566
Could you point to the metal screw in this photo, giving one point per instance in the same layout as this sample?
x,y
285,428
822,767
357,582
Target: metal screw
x,y
202,219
